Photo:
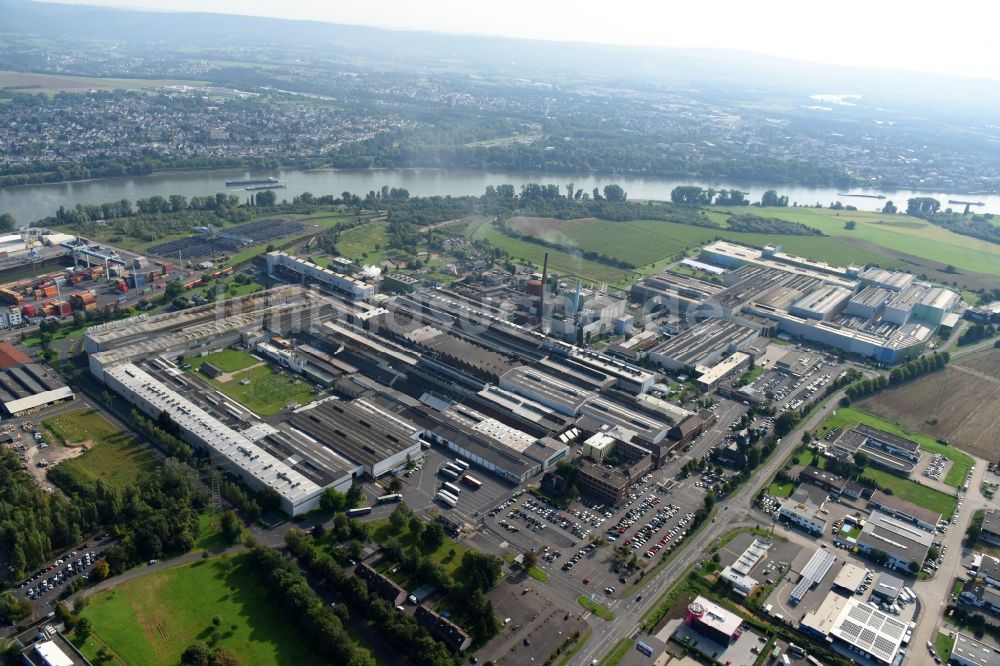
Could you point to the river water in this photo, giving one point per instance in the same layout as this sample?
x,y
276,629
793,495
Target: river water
x,y
33,202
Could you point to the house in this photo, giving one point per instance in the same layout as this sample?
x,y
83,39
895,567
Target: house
x,y
981,596
442,629
381,585
991,527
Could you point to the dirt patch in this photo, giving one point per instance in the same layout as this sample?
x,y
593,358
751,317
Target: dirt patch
x,y
932,269
960,404
37,461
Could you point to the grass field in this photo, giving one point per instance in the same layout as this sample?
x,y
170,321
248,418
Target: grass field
x,y
964,397
50,84
943,645
961,461
268,389
899,233
448,555
227,360
367,239
152,619
559,262
780,489
112,455
600,610
929,498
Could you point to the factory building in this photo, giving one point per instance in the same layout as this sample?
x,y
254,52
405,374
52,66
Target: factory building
x,y
967,651
234,451
733,255
902,542
598,446
903,510
728,368
363,431
26,386
984,314
607,485
892,280
822,304
285,266
400,283
583,314
562,396
677,293
869,303
703,344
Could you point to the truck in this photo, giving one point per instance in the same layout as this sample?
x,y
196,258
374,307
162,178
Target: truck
x,y
472,482
461,464
446,499
449,473
451,488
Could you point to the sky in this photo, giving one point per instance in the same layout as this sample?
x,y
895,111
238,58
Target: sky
x,y
954,37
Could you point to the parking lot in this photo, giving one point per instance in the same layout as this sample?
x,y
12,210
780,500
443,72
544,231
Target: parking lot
x,y
45,585
791,391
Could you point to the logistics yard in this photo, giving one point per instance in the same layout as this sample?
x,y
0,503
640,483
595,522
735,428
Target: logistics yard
x,y
614,470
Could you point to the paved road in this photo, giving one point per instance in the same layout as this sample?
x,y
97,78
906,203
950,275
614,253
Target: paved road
x,y
731,513
934,593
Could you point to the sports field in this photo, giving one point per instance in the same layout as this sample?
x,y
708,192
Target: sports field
x,y
152,619
50,84
112,455
961,404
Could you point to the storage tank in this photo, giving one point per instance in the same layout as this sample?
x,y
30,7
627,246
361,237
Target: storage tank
x,y
533,288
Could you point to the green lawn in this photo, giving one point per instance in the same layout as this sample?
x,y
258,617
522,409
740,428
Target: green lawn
x,y
943,645
850,532
538,574
227,360
210,535
961,461
807,456
911,491
600,610
956,586
112,455
152,619
268,390
362,240
448,555
781,489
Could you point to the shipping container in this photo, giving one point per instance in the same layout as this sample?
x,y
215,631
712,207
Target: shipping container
x,y
9,297
453,467
29,310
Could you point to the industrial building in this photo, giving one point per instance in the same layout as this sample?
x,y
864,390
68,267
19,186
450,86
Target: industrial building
x,y
822,304
704,344
281,265
49,647
991,527
861,628
802,515
849,578
903,543
884,450
904,510
886,589
967,651
608,485
812,573
738,573
563,396
983,597
25,386
232,450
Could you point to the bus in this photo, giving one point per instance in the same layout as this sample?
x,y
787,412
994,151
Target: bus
x,y
472,482
447,499
461,463
386,499
451,488
450,473
360,511
448,494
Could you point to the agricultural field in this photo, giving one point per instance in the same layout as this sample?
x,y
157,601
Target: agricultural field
x,y
960,403
263,388
152,619
111,455
50,84
897,235
961,462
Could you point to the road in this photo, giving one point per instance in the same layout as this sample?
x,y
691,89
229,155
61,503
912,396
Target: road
x,y
934,593
731,513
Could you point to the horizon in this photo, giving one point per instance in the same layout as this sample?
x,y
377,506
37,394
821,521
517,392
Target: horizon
x,y
768,28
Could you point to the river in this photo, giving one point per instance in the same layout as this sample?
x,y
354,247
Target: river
x,y
32,202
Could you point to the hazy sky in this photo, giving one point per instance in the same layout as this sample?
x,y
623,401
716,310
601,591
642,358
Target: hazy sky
x,y
953,37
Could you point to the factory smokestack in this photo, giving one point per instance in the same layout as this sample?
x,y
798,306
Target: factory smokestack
x,y
541,299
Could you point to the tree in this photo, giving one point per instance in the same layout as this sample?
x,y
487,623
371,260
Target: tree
x,y
615,193
331,501
889,208
102,569
433,536
173,290
7,222
232,526
850,225
224,658
922,206
785,423
265,198
416,527
196,654
914,567
395,485
771,198
861,459
83,629
399,518
530,559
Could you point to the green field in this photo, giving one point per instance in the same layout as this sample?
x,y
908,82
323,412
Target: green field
x,y
113,456
943,645
227,360
600,610
50,84
152,619
781,489
961,461
559,262
448,555
911,491
900,233
362,240
267,391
